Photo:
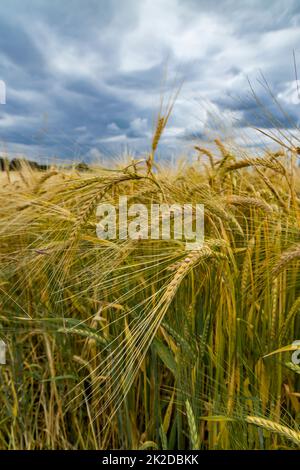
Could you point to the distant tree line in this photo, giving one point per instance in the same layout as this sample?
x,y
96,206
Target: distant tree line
x,y
16,164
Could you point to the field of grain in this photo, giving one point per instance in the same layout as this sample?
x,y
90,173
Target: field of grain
x,y
122,344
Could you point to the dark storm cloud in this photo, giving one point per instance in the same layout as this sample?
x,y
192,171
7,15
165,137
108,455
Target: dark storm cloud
x,y
86,77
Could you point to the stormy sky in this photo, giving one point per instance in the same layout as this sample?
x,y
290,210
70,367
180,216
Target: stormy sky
x,y
84,78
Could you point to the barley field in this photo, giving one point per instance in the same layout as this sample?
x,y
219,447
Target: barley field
x,y
140,344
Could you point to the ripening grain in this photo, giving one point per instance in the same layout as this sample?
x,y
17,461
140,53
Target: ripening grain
x,y
138,344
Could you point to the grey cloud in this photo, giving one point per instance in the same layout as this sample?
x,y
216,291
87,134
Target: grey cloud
x,y
73,68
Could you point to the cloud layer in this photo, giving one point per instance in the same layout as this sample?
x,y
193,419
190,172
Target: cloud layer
x,y
85,78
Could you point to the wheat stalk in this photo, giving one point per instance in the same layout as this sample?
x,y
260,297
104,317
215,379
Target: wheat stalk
x,y
256,162
194,436
287,257
249,201
269,425
293,367
43,179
